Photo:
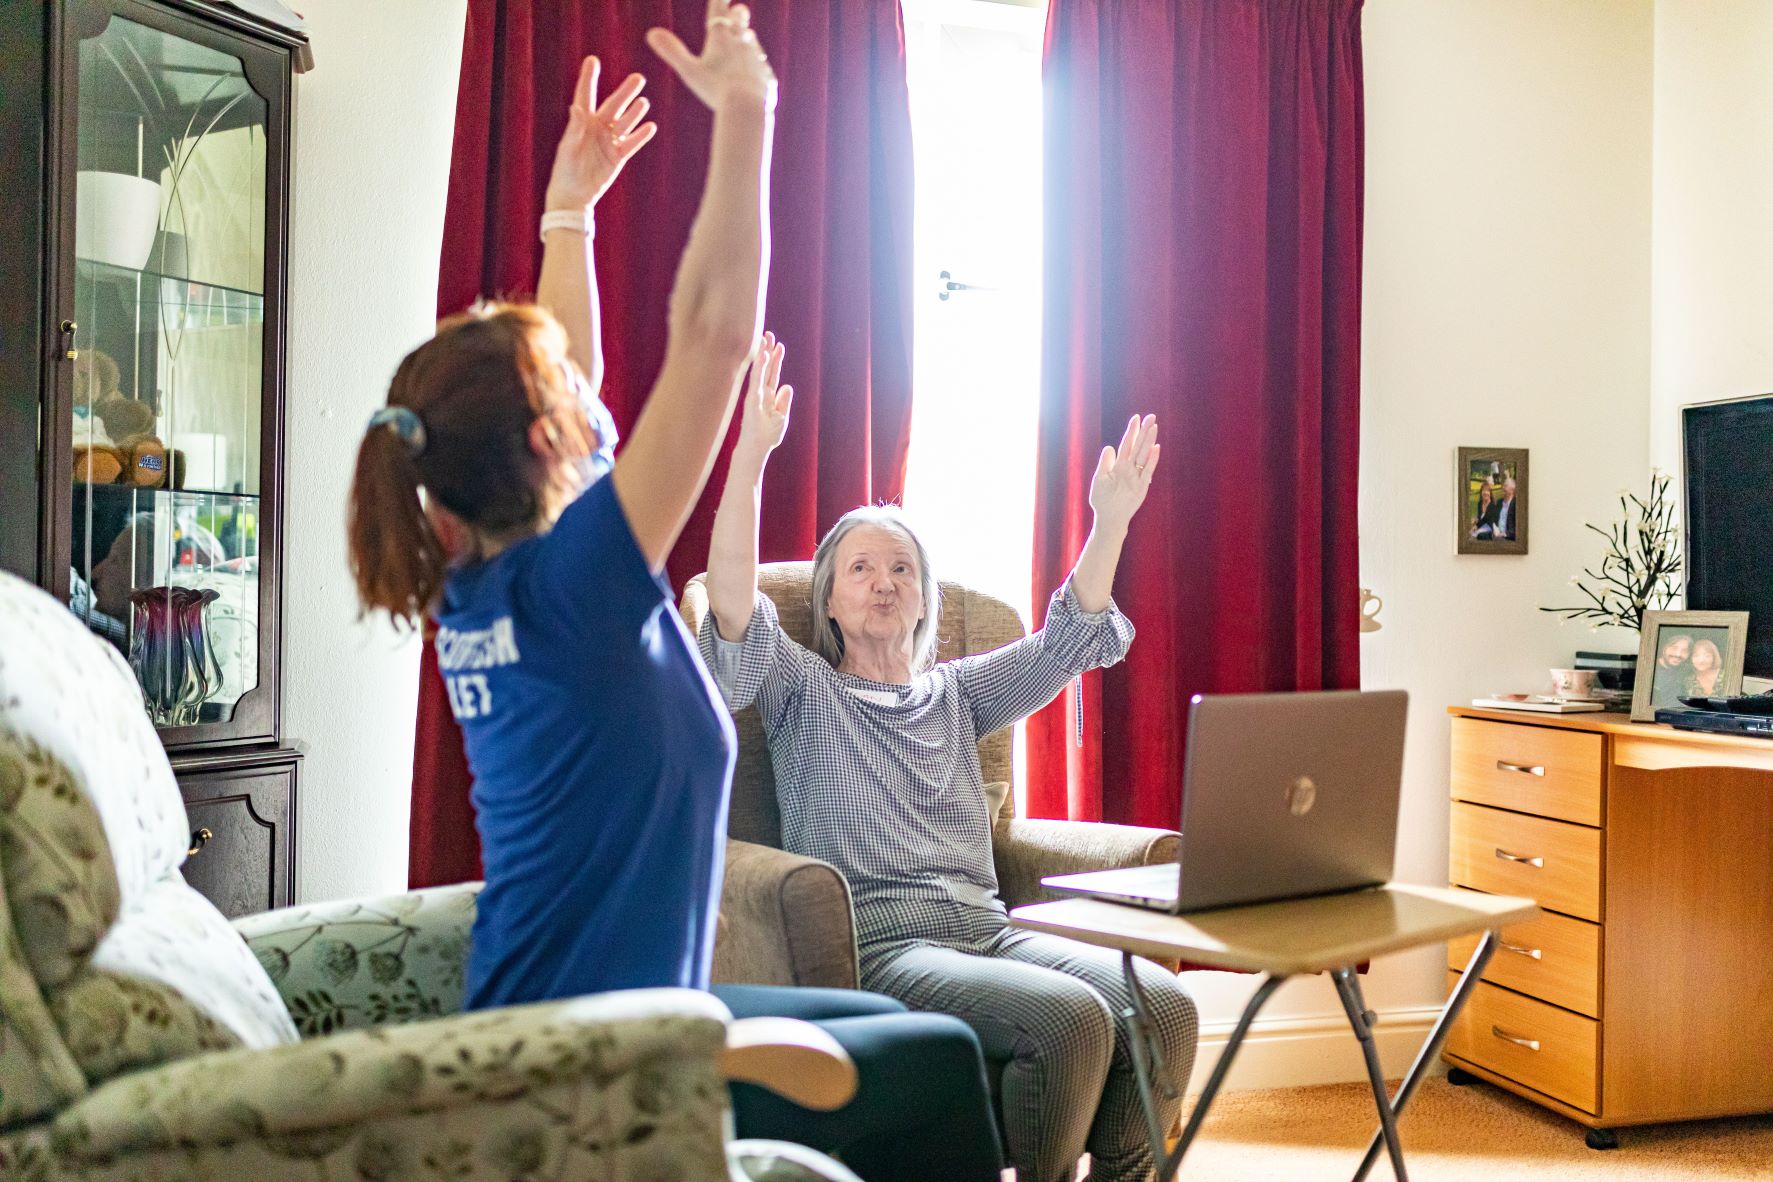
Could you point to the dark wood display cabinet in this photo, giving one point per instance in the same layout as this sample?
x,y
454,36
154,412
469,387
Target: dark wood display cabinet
x,y
145,163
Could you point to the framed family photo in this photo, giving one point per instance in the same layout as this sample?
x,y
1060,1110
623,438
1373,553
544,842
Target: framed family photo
x,y
1492,500
1687,655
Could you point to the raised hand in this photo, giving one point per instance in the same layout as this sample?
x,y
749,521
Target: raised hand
x,y
764,416
1123,474
732,70
599,140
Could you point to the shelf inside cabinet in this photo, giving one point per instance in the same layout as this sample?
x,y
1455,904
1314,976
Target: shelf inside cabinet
x,y
175,495
213,304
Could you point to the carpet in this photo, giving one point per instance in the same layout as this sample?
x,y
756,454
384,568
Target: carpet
x,y
1469,1134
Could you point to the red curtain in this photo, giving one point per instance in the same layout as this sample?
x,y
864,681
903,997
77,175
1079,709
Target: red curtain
x,y
1203,263
840,278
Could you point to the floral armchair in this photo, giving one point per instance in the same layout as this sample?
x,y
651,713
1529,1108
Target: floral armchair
x,y
142,1039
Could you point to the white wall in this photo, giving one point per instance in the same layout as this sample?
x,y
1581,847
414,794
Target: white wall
x,y
373,124
1713,258
1506,304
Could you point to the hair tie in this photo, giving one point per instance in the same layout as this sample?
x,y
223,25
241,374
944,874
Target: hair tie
x,y
407,425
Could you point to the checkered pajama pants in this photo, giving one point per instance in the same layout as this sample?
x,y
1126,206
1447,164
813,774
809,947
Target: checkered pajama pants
x,y
1051,1009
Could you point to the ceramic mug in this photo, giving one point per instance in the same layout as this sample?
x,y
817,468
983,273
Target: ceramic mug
x,y
1370,608
1574,683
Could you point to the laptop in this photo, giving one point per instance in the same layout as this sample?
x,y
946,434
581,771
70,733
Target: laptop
x,y
1283,796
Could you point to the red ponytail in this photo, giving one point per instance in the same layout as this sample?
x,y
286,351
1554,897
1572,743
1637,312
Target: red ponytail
x,y
396,556
476,387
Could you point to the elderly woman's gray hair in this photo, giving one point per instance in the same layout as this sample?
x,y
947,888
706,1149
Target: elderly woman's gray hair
x,y
827,637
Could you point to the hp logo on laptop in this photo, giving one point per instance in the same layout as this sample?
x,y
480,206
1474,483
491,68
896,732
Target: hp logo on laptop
x,y
1301,795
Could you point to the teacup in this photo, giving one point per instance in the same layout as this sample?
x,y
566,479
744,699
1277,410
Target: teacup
x,y
1574,683
1370,607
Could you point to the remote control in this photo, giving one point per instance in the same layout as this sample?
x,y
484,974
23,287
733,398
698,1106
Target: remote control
x,y
1740,704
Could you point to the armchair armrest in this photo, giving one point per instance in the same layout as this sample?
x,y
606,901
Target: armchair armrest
x,y
794,1059
1029,850
363,962
620,1063
784,920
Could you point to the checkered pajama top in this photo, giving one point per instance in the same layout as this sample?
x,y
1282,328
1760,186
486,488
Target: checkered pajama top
x,y
883,781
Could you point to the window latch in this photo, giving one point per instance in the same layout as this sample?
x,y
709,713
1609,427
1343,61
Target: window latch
x,y
950,285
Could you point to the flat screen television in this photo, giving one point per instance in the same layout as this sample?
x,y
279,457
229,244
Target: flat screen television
x,y
1729,502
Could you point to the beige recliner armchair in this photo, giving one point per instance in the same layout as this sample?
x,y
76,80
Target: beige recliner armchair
x,y
786,919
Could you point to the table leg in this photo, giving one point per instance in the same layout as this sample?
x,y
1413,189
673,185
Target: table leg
x,y
1361,1018
1437,1037
1148,1056
1148,1051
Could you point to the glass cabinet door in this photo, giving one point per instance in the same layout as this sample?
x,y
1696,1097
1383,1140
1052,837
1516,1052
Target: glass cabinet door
x,y
167,346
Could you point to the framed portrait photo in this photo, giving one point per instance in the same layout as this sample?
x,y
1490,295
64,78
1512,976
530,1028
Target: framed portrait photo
x,y
1492,499
1687,655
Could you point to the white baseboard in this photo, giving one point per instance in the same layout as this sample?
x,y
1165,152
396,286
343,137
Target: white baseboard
x,y
1302,1052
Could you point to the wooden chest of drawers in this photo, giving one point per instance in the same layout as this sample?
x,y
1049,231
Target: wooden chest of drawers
x,y
1644,992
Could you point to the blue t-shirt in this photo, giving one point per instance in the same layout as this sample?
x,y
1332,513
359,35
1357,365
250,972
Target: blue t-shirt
x,y
602,764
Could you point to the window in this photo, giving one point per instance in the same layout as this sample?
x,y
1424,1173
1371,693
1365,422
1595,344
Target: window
x,y
974,73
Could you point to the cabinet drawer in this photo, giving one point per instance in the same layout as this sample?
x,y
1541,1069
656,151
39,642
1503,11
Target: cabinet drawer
x,y
1554,958
242,813
1554,862
1530,769
1548,1049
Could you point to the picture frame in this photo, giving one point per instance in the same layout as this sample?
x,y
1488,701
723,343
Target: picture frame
x,y
1491,500
1667,671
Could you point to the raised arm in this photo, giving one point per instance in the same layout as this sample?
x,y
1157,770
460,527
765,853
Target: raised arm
x,y
717,303
732,549
1014,681
597,142
1123,477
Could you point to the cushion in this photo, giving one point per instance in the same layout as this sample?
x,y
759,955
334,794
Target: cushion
x,y
158,983
172,952
132,965
113,1022
37,1073
56,861
73,694
1000,803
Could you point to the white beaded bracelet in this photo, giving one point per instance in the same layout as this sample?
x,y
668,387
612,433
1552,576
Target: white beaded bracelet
x,y
567,219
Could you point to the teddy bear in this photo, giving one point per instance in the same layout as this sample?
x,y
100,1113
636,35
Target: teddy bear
x,y
97,458
130,424
118,436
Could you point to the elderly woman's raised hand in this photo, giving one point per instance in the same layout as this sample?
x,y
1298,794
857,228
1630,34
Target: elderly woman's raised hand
x,y
763,419
1123,474
598,140
732,70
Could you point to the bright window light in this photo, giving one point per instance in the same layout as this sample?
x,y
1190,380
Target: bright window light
x,y
974,73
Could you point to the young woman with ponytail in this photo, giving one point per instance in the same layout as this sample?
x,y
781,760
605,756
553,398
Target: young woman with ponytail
x,y
601,752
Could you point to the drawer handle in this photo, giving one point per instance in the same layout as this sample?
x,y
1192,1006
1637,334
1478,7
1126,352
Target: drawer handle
x,y
1520,950
1536,863
1532,1044
199,839
1525,769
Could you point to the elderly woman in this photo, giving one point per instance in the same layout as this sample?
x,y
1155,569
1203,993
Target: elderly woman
x,y
875,751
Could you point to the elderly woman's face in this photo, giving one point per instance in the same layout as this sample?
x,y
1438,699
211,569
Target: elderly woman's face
x,y
878,589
